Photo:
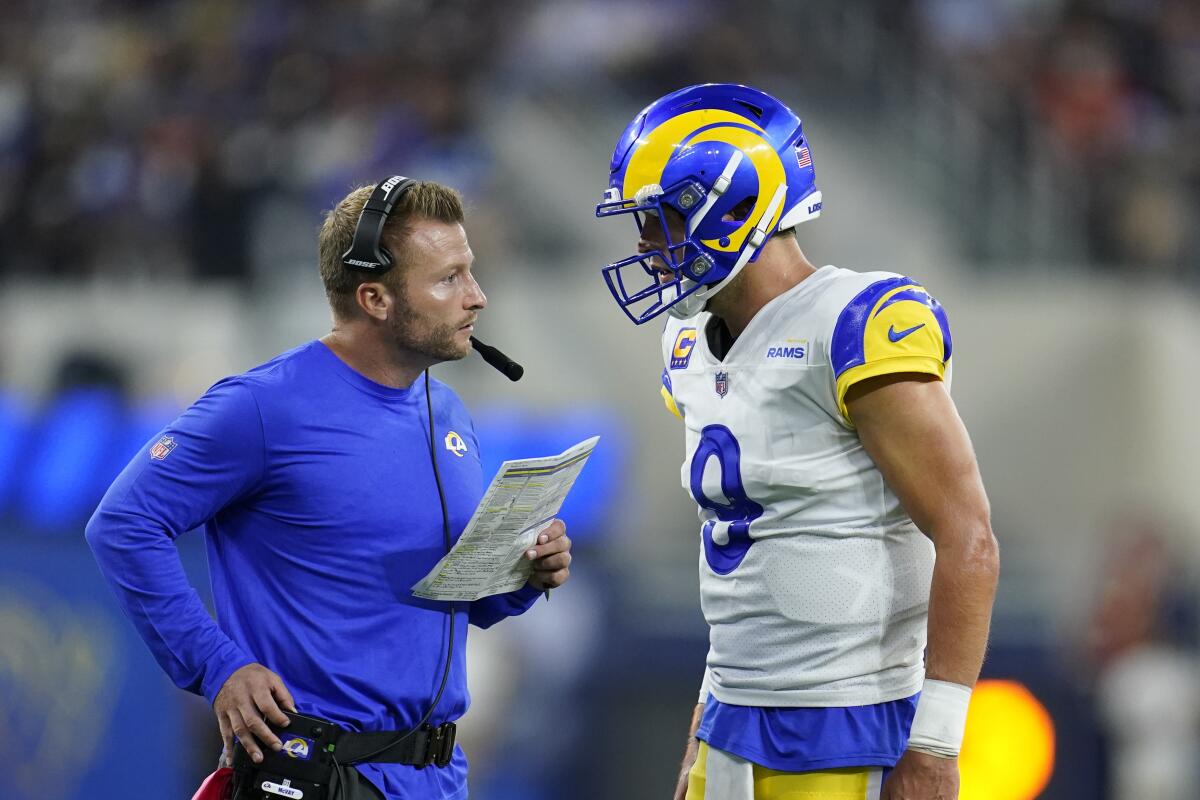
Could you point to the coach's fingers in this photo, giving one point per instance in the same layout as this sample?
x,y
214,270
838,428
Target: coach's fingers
x,y
282,695
254,723
555,530
265,700
244,736
226,739
259,727
550,580
553,562
561,544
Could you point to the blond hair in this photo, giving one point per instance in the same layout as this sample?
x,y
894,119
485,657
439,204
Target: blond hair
x,y
424,200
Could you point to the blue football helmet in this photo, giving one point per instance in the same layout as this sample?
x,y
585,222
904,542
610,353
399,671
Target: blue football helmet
x,y
705,151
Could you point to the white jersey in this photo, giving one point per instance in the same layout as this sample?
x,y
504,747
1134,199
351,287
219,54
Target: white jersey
x,y
813,579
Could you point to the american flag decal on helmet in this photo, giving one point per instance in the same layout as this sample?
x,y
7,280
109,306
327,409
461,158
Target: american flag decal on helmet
x,y
162,448
803,157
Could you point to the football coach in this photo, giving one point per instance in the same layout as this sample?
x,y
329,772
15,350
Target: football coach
x,y
328,481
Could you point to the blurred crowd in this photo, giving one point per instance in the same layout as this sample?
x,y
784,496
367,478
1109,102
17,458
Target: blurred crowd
x,y
1140,659
1101,97
145,138
151,138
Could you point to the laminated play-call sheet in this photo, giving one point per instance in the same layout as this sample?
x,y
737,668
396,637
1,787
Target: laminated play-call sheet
x,y
520,502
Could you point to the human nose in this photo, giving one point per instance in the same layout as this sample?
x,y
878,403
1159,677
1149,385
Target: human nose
x,y
476,299
647,231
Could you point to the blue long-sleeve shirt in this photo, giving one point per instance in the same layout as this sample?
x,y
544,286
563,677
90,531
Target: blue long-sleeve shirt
x,y
317,497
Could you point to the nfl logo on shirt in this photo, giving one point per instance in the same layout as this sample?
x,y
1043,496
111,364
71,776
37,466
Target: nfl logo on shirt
x,y
722,384
162,448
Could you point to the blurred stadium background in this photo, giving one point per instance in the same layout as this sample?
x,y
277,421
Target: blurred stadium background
x,y
163,168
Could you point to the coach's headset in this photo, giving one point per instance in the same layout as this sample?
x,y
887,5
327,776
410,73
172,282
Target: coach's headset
x,y
367,254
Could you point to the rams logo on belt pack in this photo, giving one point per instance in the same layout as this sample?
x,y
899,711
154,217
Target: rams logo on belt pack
x,y
298,747
681,354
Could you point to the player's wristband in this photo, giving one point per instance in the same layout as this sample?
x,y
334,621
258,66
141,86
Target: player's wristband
x,y
941,718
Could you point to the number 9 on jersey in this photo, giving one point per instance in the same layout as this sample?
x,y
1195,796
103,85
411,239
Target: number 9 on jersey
x,y
723,552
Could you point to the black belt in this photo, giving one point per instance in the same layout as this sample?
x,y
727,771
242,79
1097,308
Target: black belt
x,y
426,746
313,747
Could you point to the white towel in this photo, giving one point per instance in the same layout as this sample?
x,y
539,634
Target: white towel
x,y
728,777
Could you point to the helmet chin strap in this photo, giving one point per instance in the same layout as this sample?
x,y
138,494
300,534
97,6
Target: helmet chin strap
x,y
691,305
694,303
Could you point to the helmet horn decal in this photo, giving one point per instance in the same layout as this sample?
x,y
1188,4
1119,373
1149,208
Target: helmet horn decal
x,y
720,186
654,149
768,168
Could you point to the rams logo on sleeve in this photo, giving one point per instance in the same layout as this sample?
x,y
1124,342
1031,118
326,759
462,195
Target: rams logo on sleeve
x,y
455,444
892,326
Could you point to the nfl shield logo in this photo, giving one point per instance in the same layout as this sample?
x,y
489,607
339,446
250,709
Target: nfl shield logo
x,y
722,384
162,448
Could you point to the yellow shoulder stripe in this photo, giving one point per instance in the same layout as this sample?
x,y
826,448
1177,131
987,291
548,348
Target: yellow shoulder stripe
x,y
928,365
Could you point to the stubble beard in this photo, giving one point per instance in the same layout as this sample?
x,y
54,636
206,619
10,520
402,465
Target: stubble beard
x,y
433,340
730,297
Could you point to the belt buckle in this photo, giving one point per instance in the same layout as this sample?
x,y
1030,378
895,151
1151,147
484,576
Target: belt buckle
x,y
433,741
437,744
440,745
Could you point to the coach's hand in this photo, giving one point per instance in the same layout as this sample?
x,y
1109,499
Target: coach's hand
x,y
250,694
551,557
920,776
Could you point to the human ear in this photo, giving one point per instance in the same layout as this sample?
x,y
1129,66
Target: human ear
x,y
374,299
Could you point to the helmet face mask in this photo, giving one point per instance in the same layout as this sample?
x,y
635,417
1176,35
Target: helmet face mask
x,y
676,269
718,149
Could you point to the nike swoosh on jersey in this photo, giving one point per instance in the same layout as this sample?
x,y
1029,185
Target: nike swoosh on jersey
x,y
896,336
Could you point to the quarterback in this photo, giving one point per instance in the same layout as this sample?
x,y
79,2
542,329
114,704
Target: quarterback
x,y
847,562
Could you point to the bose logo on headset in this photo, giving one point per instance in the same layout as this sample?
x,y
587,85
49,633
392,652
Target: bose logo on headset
x,y
357,263
390,183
